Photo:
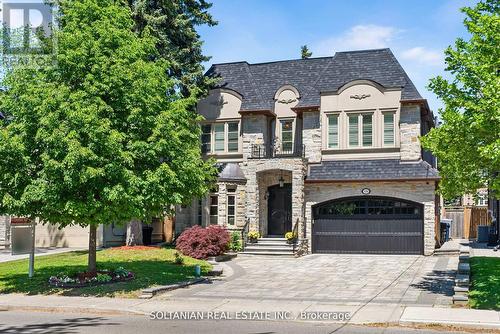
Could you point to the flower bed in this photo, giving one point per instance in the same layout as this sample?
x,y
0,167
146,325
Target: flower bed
x,y
91,279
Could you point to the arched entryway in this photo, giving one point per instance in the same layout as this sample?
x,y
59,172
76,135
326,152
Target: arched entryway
x,y
368,224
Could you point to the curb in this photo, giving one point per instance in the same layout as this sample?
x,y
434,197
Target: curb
x,y
70,309
151,292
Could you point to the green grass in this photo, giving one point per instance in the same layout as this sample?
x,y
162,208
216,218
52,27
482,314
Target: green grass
x,y
151,267
485,289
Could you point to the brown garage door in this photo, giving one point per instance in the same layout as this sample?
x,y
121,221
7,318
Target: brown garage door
x,y
378,225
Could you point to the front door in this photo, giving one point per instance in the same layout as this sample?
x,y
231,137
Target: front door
x,y
279,210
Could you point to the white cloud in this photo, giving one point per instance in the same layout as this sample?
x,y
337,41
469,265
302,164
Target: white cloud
x,y
358,37
424,56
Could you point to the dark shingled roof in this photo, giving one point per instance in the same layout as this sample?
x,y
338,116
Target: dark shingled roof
x,y
384,169
258,83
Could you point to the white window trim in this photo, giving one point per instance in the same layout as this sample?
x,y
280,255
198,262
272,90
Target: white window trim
x,y
343,128
360,115
280,128
226,137
228,193
213,194
339,130
394,127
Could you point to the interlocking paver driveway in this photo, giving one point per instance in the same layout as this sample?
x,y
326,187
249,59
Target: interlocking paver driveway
x,y
349,279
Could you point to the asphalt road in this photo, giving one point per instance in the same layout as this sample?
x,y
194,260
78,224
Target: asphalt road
x,y
20,322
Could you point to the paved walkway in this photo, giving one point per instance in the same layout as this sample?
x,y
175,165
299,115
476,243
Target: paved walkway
x,y
345,279
482,249
6,255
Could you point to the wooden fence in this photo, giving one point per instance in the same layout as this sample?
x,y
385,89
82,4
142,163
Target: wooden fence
x,y
466,220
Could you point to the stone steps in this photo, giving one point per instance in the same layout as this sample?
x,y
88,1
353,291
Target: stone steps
x,y
462,280
269,247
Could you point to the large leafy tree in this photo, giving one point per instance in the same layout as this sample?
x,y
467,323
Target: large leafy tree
x,y
467,144
173,23
102,136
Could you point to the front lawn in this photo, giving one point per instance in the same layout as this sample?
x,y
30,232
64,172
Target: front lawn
x,y
485,277
152,266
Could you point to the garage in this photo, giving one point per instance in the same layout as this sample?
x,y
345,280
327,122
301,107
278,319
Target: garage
x,y
376,225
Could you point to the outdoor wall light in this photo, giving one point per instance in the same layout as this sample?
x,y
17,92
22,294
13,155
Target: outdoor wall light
x,y
281,181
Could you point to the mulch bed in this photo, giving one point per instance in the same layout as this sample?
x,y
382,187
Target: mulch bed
x,y
86,275
135,248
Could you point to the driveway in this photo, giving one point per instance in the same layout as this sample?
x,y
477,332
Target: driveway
x,y
346,279
6,254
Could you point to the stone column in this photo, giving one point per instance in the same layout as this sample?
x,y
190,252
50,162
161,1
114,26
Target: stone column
x,y
311,136
298,198
409,127
222,205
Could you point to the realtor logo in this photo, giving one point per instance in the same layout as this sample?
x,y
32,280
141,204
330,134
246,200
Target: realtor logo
x,y
27,30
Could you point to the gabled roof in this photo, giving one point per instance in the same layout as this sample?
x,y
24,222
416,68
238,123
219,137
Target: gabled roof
x,y
383,169
258,83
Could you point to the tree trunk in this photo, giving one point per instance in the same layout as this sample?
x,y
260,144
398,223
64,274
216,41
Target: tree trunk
x,y
134,233
92,265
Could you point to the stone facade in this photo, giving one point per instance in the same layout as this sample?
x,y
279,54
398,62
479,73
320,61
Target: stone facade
x,y
410,132
262,173
312,136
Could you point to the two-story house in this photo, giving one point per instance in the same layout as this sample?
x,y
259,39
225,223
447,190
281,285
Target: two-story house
x,y
328,147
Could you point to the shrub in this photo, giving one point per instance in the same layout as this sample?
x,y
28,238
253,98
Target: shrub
x,y
235,242
103,278
290,236
254,235
178,258
201,243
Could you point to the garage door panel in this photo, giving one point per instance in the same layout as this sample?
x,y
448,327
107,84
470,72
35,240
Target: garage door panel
x,y
368,225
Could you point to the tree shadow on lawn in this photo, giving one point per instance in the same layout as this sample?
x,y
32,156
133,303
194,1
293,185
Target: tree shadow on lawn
x,y
147,273
485,279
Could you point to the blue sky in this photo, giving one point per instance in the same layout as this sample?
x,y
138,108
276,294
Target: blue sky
x,y
417,31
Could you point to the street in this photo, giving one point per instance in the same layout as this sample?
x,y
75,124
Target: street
x,y
20,322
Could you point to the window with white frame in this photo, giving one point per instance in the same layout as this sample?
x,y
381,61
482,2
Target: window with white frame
x,y
220,137
367,129
214,207
231,205
360,130
353,121
286,131
389,128
333,131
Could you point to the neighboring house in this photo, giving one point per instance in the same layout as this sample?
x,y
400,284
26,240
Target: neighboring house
x,y
49,235
326,146
478,199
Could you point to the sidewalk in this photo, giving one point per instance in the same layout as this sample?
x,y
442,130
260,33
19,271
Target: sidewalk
x,y
372,313
6,255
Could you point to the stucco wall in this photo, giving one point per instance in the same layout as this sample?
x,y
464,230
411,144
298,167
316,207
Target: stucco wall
x,y
220,104
50,235
420,192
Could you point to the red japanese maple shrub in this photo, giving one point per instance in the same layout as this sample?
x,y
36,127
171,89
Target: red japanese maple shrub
x,y
201,243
